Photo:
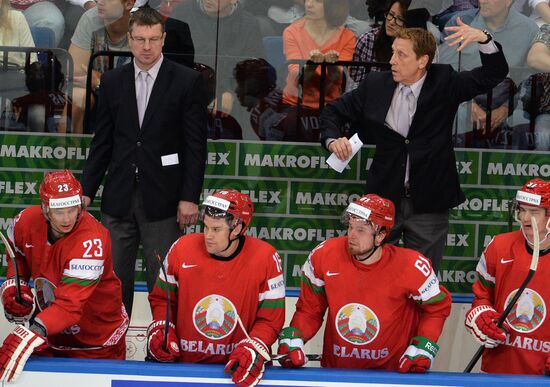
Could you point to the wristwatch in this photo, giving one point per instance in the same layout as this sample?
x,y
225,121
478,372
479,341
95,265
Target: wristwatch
x,y
489,37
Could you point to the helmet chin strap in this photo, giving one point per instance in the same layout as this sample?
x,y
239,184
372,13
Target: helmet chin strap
x,y
373,250
368,256
545,237
230,241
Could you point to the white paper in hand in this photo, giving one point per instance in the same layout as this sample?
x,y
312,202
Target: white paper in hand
x,y
339,165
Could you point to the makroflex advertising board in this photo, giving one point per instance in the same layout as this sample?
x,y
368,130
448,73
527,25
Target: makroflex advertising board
x,y
298,199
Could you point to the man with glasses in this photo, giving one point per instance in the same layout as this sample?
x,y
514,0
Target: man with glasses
x,y
521,346
151,138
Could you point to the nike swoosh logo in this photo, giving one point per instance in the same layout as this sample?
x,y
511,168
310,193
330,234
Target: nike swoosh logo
x,y
330,274
28,245
184,266
502,260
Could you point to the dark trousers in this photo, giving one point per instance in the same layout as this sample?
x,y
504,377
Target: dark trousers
x,y
423,232
126,235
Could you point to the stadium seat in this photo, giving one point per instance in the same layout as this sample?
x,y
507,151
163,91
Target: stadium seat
x,y
273,48
43,37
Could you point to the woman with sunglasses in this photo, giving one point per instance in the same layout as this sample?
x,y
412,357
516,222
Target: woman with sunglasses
x,y
375,45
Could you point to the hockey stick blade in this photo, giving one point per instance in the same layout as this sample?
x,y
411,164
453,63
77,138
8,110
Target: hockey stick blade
x,y
11,255
311,357
167,321
504,315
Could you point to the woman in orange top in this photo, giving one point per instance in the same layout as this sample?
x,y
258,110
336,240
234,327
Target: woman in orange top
x,y
318,36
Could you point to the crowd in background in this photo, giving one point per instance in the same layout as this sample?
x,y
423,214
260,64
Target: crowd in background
x,y
253,55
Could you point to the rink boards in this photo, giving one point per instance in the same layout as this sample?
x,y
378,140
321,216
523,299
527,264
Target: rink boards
x,y
102,373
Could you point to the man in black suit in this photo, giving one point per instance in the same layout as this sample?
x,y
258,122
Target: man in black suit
x,y
408,114
151,138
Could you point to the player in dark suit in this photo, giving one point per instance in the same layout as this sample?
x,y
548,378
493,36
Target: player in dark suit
x,y
153,148
415,166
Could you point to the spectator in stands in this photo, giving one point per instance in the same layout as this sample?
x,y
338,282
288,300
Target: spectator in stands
x,y
539,54
539,58
377,8
220,126
223,33
538,10
516,33
43,108
105,28
318,37
257,91
14,31
42,13
284,13
102,28
375,45
72,11
458,6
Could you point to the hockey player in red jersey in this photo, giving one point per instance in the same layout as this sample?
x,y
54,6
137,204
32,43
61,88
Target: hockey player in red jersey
x,y
522,346
386,308
79,311
227,293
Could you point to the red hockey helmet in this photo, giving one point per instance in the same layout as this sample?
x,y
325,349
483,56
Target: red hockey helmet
x,y
231,204
535,193
60,189
372,208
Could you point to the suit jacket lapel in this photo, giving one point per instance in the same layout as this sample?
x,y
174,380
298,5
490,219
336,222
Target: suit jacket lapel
x,y
383,100
159,89
129,92
423,102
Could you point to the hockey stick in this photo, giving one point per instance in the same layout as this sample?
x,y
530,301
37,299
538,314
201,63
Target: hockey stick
x,y
262,351
504,315
167,322
11,255
309,357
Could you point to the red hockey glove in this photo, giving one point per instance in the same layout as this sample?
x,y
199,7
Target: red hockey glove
x,y
547,366
291,344
15,351
419,355
481,323
247,362
155,340
14,311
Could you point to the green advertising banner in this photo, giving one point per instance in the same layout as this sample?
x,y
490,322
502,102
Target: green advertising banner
x,y
289,161
268,196
513,168
461,240
457,275
298,199
327,199
43,151
221,159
